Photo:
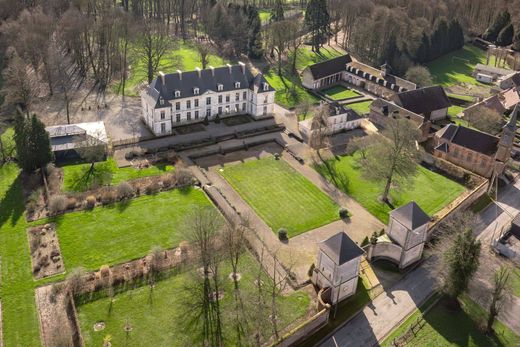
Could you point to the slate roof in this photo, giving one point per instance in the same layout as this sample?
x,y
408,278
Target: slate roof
x,y
469,138
492,69
208,80
410,215
329,67
71,136
423,100
376,76
340,248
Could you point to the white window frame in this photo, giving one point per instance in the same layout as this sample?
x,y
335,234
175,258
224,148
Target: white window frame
x,y
237,84
196,91
177,93
220,87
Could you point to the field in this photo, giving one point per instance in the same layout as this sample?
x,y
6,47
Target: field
x,y
128,230
515,282
162,318
428,189
184,58
20,322
106,173
281,196
457,66
340,93
446,326
360,107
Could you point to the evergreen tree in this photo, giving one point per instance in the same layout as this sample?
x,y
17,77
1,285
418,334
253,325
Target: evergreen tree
x,y
505,37
439,39
32,143
516,40
456,36
254,37
317,20
422,54
277,13
501,21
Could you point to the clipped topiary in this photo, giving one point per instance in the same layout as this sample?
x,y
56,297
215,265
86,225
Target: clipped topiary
x,y
282,234
343,213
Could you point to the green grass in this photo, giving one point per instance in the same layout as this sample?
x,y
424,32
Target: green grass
x,y
20,321
281,196
515,282
340,93
428,189
128,230
162,319
7,138
456,67
184,58
453,111
307,57
106,173
466,98
446,326
360,107
265,16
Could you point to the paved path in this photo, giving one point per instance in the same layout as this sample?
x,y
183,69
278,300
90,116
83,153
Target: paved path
x,y
388,310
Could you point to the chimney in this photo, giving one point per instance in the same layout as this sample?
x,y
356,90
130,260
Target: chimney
x,y
229,67
180,74
198,71
161,75
243,67
212,70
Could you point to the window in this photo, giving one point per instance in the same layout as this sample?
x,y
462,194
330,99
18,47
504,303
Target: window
x,y
220,87
208,100
220,99
220,110
188,104
196,102
196,91
266,99
243,106
266,86
161,101
237,96
188,116
208,112
227,98
177,106
237,84
237,108
178,117
196,114
177,93
244,95
265,110
162,115
163,127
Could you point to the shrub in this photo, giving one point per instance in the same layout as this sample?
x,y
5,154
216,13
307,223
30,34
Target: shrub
x,y
57,204
71,203
129,155
125,190
152,188
343,213
108,196
365,241
373,238
91,201
282,234
167,181
75,280
183,176
311,270
50,168
32,201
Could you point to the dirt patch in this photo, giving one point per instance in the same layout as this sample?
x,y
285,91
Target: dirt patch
x,y
189,129
57,314
46,256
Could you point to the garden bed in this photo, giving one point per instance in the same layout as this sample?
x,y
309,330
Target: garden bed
x,y
237,120
189,129
45,251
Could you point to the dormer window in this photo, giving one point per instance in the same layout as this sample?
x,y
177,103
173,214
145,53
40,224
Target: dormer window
x,y
177,93
220,87
266,86
196,91
161,101
237,84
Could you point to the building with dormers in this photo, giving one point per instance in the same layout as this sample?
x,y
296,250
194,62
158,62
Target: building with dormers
x,y
182,98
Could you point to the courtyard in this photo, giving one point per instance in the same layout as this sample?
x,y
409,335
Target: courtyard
x,y
340,93
428,189
112,234
282,197
163,316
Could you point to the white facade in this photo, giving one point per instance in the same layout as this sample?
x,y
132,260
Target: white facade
x,y
163,114
484,78
335,124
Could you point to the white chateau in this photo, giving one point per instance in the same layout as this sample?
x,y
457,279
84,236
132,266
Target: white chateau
x,y
182,98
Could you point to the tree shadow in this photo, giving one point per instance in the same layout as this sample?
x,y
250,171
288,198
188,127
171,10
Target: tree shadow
x,y
12,205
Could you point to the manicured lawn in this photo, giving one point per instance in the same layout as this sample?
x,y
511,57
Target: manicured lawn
x,y
456,67
20,321
163,319
281,196
74,175
515,282
265,15
184,58
428,189
446,326
340,93
466,98
360,107
453,111
123,231
307,57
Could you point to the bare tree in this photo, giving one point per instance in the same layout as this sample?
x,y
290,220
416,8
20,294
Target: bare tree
x,y
304,108
361,144
419,75
278,39
484,119
394,155
498,294
204,50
